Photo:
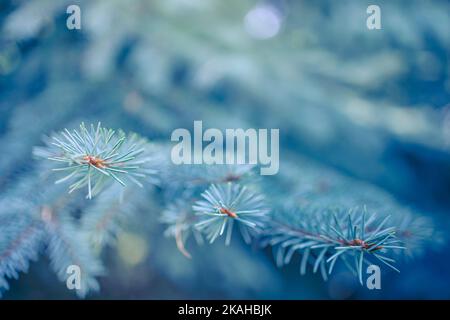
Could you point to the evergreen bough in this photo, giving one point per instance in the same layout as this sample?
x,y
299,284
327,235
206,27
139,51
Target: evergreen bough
x,y
204,201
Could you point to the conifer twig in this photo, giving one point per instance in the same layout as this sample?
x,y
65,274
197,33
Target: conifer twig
x,y
95,156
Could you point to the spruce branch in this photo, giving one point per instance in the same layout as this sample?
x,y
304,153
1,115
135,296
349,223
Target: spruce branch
x,y
323,237
111,212
226,203
187,179
68,246
20,242
181,220
416,232
222,173
95,156
209,201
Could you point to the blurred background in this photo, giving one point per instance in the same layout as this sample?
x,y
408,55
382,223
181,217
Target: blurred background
x,y
371,107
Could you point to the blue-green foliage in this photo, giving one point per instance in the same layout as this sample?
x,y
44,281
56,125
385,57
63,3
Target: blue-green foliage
x,y
223,205
322,235
359,111
21,242
91,157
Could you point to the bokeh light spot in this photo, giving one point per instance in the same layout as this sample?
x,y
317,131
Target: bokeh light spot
x,y
263,22
132,248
